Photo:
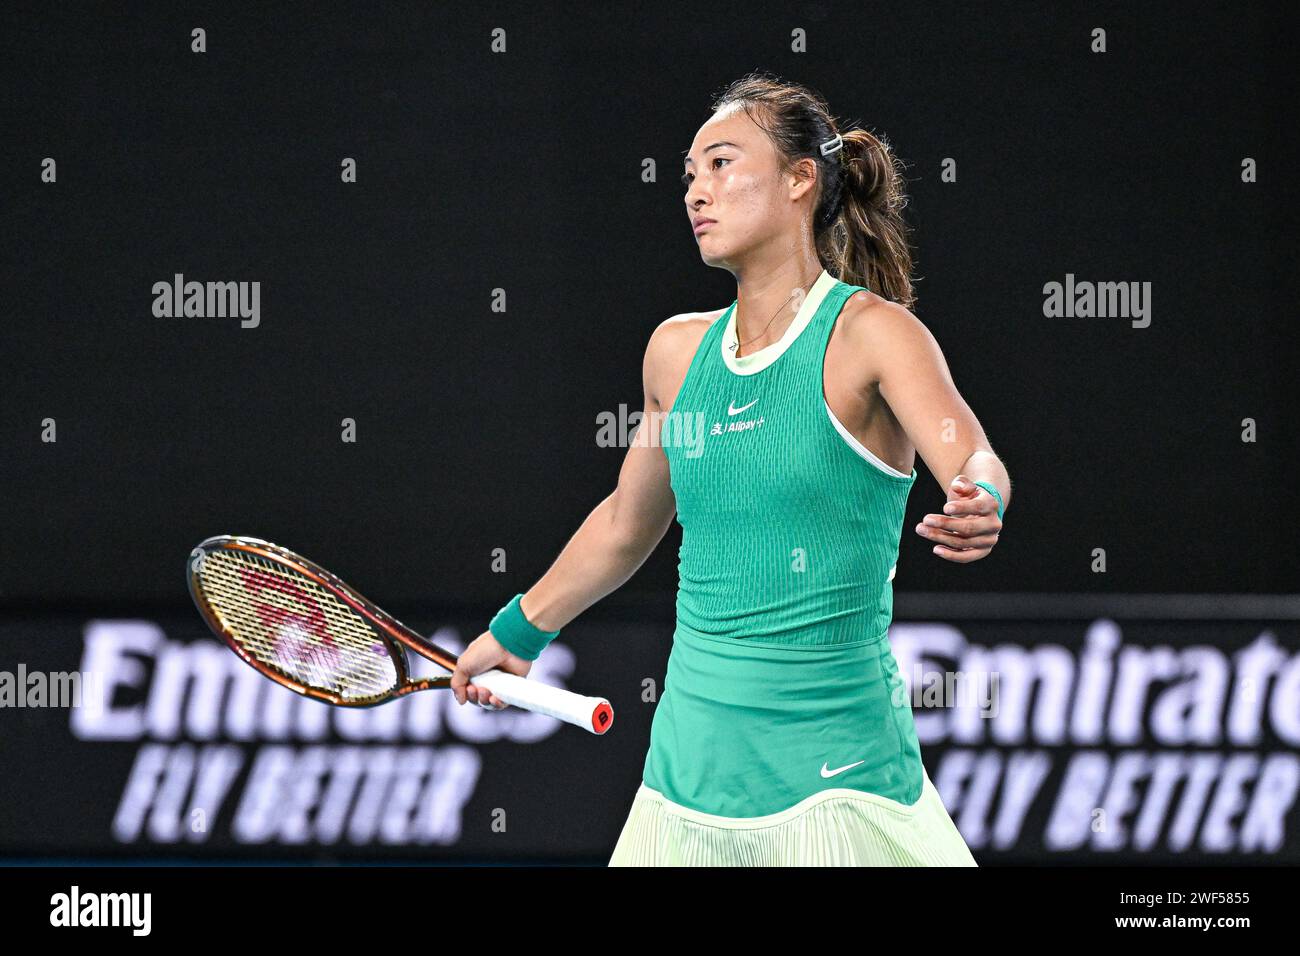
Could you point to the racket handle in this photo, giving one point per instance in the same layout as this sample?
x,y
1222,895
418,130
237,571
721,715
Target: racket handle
x,y
593,714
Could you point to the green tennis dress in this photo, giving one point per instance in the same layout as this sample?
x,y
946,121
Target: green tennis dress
x,y
784,733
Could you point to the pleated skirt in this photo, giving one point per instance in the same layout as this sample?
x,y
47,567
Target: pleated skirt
x,y
836,827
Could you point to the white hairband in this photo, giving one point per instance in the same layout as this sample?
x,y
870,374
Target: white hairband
x,y
832,145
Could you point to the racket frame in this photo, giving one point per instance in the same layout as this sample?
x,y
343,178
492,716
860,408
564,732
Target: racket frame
x,y
398,636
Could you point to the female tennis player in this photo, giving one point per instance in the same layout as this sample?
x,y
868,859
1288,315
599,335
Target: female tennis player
x,y
782,431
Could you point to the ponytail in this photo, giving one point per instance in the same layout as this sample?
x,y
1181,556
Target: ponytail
x,y
866,241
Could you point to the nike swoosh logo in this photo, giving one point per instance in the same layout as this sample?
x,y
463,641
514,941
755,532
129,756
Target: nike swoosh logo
x,y
733,410
831,773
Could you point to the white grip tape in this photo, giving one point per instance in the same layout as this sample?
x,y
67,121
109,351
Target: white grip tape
x,y
544,699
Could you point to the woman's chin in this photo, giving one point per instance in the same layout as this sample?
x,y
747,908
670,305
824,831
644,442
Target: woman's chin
x,y
712,255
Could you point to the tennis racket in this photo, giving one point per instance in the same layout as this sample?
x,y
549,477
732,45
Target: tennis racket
x,y
307,630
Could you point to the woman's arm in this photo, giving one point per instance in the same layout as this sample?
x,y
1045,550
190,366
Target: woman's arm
x,y
611,544
905,363
617,537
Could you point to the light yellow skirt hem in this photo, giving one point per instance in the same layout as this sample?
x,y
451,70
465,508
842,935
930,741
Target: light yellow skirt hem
x,y
835,827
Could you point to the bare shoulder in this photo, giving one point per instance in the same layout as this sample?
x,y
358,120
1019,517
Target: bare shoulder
x,y
676,339
882,331
671,348
682,332
865,313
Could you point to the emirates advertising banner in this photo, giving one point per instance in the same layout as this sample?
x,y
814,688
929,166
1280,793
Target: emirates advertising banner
x,y
1099,738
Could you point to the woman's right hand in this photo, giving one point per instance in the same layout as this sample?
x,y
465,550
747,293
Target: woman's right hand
x,y
484,654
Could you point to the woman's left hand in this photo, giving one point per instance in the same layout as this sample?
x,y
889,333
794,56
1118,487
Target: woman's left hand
x,y
968,529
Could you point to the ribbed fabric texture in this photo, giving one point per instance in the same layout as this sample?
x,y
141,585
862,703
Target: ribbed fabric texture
x,y
832,831
745,729
781,683
788,535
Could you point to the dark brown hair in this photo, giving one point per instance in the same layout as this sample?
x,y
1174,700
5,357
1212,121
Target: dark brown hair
x,y
858,224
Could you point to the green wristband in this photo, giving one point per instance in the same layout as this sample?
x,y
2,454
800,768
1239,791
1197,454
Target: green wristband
x,y
516,634
992,489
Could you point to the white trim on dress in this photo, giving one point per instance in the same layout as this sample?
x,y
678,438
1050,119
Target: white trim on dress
x,y
757,361
857,446
833,794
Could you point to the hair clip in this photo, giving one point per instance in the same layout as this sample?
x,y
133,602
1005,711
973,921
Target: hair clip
x,y
832,145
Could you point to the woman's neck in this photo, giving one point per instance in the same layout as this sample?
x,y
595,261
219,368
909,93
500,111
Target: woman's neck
x,y
767,301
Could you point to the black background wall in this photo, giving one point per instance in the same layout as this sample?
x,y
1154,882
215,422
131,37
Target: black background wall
x,y
521,171
477,430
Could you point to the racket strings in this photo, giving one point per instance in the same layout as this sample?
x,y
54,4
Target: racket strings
x,y
295,626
